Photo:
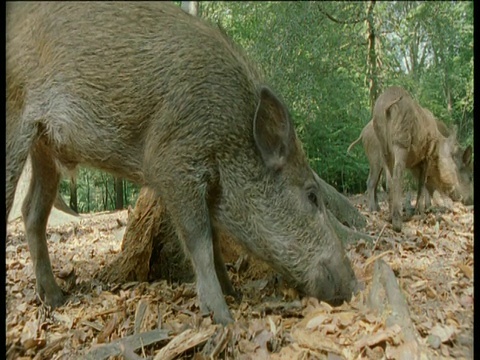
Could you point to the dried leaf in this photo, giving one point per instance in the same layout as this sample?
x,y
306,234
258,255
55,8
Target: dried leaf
x,y
467,270
444,332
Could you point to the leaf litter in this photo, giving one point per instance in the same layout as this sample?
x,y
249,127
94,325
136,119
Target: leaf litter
x,y
417,302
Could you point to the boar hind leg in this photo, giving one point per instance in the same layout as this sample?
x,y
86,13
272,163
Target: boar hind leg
x,y
421,191
396,191
36,209
372,185
428,196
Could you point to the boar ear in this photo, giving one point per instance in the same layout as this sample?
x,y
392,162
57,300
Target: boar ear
x,y
452,138
453,133
272,130
467,155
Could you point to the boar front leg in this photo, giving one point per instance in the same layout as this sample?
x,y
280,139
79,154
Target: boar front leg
x,y
193,225
396,191
36,210
372,185
421,196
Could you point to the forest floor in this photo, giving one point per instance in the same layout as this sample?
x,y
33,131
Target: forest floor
x,y
432,260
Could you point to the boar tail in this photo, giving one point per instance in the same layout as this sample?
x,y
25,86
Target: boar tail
x,y
354,143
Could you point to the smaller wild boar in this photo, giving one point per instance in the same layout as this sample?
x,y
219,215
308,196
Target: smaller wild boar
x,y
373,151
410,138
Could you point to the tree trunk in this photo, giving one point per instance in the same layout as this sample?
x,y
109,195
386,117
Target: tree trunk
x,y
118,185
190,7
73,195
372,56
88,191
152,251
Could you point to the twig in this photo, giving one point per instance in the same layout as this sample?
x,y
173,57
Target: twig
x,y
140,315
372,259
221,344
48,351
379,236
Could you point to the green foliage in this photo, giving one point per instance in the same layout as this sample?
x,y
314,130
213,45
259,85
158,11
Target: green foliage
x,y
315,55
95,191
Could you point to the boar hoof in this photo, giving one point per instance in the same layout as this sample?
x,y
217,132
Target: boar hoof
x,y
221,313
54,299
223,318
409,211
407,216
236,295
397,224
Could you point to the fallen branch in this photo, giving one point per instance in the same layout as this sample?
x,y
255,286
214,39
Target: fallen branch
x,y
379,236
385,296
139,315
216,344
133,342
183,342
376,257
51,349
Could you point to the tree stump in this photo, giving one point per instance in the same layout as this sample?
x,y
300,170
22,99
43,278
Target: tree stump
x,y
150,249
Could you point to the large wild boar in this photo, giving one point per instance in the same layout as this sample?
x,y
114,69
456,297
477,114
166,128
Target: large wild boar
x,y
410,138
373,151
152,94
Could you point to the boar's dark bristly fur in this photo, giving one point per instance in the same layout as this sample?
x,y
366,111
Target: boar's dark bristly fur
x,y
151,94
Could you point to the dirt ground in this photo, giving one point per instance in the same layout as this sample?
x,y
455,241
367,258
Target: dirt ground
x,y
432,261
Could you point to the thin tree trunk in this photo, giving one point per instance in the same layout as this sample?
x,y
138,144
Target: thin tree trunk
x,y
372,55
73,195
118,186
190,7
88,193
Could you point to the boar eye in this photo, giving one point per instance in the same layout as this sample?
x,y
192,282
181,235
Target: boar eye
x,y
312,197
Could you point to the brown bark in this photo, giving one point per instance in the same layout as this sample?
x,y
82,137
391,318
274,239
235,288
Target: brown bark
x,y
143,228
